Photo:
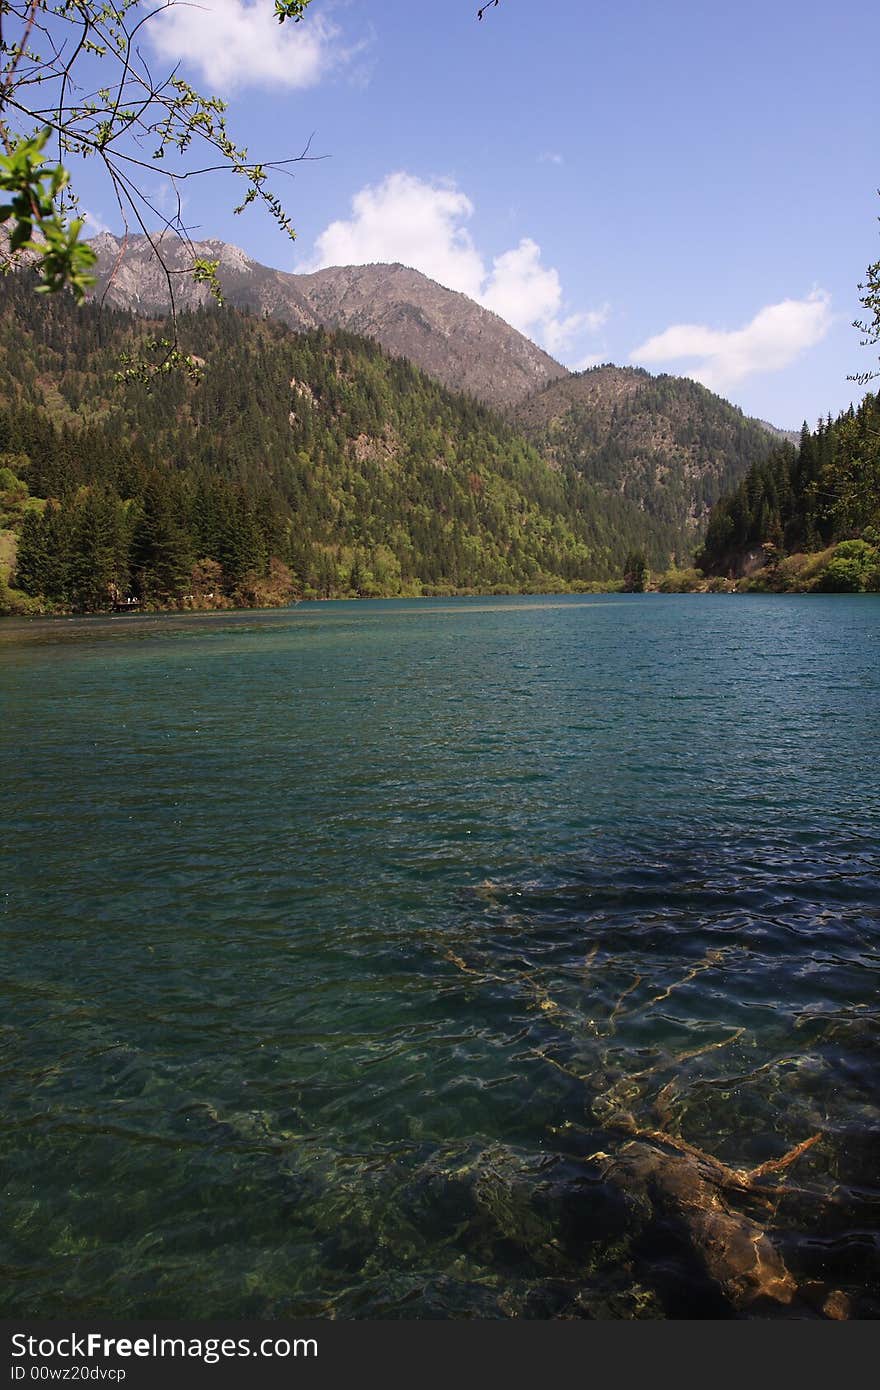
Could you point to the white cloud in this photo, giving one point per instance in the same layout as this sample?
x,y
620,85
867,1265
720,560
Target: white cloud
x,y
529,295
597,318
424,225
560,334
239,43
774,338
551,157
403,219
94,223
526,293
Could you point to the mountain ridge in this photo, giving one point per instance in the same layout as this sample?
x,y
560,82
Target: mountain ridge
x,y
665,443
465,347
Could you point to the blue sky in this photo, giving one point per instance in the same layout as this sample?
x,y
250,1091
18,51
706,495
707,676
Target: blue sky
x,y
686,187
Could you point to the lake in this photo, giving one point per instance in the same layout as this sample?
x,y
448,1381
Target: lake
x,y
443,958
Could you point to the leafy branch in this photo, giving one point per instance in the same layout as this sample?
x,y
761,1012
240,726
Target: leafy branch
x,y
33,187
146,132
869,298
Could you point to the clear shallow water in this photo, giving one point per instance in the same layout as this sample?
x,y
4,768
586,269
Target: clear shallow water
x,y
366,959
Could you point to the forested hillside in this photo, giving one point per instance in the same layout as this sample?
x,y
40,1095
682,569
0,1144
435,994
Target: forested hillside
x,y
296,464
664,443
813,513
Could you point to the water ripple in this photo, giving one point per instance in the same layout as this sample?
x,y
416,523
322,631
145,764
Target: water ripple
x,y
443,960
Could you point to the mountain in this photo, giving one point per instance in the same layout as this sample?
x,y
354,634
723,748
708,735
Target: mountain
x,y
790,436
665,444
616,458
446,334
295,464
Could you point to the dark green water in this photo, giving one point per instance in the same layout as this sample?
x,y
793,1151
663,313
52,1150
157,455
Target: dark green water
x,y
346,949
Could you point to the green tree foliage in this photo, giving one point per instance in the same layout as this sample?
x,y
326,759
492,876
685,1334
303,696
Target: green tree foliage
x,y
161,554
804,500
635,572
95,548
853,568
33,187
675,581
297,464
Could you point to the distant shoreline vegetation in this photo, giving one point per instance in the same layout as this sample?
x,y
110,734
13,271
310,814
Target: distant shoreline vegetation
x,y
14,604
847,566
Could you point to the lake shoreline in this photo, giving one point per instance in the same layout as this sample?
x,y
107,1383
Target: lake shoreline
x,y
730,587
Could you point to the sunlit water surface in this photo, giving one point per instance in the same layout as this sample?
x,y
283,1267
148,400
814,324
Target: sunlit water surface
x,y
347,948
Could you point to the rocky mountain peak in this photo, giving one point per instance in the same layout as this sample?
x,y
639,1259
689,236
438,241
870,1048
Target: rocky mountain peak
x,y
448,335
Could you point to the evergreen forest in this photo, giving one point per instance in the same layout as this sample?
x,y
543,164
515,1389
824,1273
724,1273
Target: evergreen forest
x,y
809,517
664,443
280,465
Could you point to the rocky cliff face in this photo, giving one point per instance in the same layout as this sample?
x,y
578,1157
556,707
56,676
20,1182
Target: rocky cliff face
x,y
448,335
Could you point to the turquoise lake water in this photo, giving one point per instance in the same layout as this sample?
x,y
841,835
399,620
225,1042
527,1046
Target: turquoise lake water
x,y
351,951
